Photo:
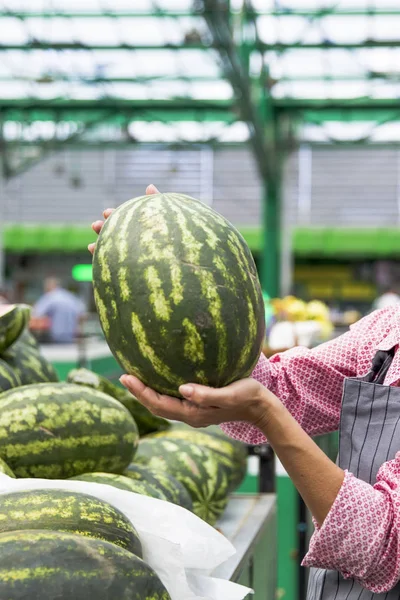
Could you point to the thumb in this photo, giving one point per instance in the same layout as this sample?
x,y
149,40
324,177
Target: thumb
x,y
204,396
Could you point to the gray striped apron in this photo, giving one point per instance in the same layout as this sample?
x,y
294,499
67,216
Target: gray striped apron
x,y
369,435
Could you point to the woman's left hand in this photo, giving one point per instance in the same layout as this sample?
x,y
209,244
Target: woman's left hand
x,y
244,400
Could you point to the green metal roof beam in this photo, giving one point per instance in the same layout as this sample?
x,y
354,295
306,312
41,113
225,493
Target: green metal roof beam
x,y
115,102
57,14
179,47
48,79
181,14
223,115
337,104
349,115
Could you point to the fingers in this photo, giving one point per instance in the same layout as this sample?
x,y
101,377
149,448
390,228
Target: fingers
x,y
151,189
207,397
108,212
97,226
91,248
166,406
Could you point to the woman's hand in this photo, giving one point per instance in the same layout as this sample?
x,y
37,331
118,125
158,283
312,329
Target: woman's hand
x,y
244,400
98,225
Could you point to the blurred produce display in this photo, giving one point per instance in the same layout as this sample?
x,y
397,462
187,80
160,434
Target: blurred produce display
x,y
88,429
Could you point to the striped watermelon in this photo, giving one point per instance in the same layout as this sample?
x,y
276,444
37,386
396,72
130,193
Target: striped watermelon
x,y
146,422
13,320
173,490
8,377
196,468
56,430
4,468
123,483
177,293
49,565
25,358
233,460
72,512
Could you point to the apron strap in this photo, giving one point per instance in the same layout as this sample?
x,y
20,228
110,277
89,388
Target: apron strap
x,y
380,366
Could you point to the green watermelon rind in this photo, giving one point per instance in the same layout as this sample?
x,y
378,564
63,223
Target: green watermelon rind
x,y
173,490
231,456
123,483
72,566
58,430
12,324
196,468
69,512
9,378
177,293
26,360
146,422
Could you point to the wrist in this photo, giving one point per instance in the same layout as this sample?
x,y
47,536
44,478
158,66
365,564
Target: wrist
x,y
268,409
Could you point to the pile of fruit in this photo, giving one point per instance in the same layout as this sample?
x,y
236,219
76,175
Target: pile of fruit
x,y
87,428
295,310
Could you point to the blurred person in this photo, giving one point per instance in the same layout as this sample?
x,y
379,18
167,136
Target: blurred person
x,y
350,384
3,298
64,310
389,298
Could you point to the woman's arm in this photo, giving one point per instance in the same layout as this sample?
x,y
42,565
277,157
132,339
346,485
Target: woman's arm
x,y
358,530
310,382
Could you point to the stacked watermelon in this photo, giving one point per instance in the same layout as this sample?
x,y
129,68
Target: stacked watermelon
x,y
21,361
71,545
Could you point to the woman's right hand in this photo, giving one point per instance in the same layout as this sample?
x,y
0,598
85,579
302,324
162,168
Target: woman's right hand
x,y
98,225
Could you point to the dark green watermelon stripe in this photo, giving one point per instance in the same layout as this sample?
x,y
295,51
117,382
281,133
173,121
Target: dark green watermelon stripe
x,y
8,377
192,249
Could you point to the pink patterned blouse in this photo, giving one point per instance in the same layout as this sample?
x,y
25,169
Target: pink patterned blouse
x,y
360,536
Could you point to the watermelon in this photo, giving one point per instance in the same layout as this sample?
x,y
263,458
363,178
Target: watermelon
x,y
4,468
177,294
25,358
146,422
58,430
13,320
196,468
50,565
173,490
73,512
123,483
231,456
8,377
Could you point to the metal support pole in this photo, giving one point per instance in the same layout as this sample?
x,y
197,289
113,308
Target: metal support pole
x,y
270,270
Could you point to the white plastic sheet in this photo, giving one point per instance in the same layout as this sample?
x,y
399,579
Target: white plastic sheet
x,y
179,546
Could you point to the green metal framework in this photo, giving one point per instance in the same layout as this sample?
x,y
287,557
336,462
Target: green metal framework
x,y
88,75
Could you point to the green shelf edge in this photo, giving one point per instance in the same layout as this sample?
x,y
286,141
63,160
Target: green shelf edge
x,y
307,241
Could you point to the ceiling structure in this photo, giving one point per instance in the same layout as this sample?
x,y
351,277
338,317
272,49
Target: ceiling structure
x,y
268,72
156,73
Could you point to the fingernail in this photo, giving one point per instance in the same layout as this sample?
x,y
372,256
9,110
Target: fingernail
x,y
186,390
